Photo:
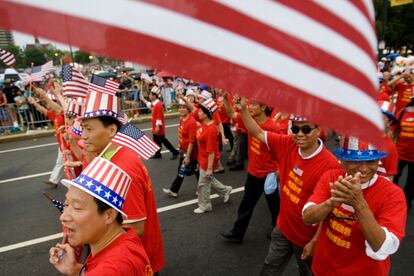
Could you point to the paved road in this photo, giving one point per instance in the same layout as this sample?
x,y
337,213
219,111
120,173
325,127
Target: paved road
x,y
191,242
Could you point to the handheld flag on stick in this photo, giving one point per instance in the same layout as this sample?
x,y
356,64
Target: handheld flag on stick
x,y
38,72
135,139
7,57
58,204
74,83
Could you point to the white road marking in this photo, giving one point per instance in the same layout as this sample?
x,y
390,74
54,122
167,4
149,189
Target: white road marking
x,y
24,177
38,174
59,235
54,144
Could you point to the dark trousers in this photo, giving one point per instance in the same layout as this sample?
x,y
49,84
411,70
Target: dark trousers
x,y
409,185
161,139
280,252
191,169
253,189
243,150
228,134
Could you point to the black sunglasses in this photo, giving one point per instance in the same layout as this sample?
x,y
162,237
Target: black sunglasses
x,y
306,129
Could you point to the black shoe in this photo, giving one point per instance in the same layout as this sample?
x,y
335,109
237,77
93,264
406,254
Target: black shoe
x,y
230,162
50,183
237,168
228,236
174,156
156,157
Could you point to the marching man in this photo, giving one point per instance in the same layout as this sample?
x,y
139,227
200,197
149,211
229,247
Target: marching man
x,y
363,215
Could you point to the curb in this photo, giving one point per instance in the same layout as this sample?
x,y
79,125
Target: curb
x,y
50,132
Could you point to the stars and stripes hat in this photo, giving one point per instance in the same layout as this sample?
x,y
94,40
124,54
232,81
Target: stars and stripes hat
x,y
353,149
298,118
101,99
75,106
205,95
105,181
155,90
210,105
76,129
388,109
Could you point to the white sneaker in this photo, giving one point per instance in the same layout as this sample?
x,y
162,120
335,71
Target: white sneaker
x,y
227,195
200,211
168,192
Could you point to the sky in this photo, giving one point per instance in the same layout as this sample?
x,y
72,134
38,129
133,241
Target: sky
x,y
21,39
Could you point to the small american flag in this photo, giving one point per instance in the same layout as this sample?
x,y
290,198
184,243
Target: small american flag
x,y
123,118
38,72
58,204
298,170
135,139
7,58
74,83
102,85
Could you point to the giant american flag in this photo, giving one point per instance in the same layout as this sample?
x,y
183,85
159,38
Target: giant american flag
x,y
313,58
38,72
135,139
7,57
74,83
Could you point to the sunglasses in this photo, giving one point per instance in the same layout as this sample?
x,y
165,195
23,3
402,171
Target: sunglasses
x,y
306,129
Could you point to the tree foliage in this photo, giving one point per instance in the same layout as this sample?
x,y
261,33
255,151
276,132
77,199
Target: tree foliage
x,y
399,29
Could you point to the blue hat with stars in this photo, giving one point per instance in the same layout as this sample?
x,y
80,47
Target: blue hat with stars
x,y
352,149
105,181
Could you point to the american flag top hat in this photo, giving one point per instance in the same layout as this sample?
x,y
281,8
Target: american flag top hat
x,y
352,149
155,90
205,95
298,118
75,106
105,181
388,109
101,99
210,105
76,129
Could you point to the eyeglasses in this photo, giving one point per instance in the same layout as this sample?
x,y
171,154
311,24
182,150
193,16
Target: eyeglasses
x,y
306,129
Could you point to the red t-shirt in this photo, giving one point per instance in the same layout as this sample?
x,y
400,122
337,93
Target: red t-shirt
x,y
158,115
225,119
207,143
405,92
340,247
124,256
383,96
282,124
405,142
187,134
140,204
58,120
298,177
389,164
261,161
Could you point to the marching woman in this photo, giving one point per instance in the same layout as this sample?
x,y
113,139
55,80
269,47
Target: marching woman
x,y
188,153
208,157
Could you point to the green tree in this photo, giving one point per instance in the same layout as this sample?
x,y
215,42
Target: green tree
x,y
36,56
82,57
399,29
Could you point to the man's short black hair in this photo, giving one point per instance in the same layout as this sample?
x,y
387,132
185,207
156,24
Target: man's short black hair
x,y
102,207
109,120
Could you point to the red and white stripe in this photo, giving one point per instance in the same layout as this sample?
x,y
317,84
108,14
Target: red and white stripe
x,y
353,143
109,175
75,106
96,101
111,87
144,146
77,87
312,58
7,57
